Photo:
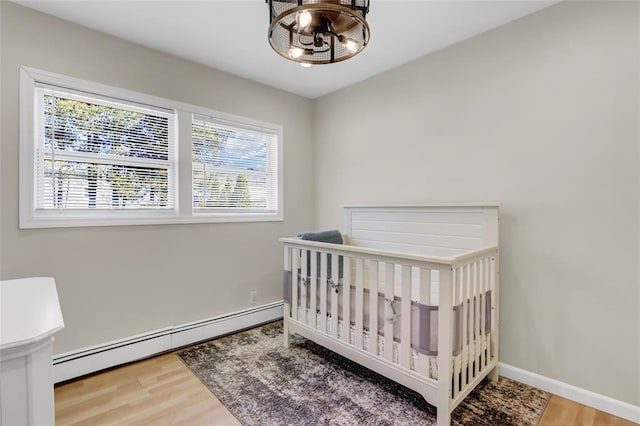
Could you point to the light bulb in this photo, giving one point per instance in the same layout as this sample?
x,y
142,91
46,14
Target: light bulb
x,y
305,64
304,19
351,45
295,52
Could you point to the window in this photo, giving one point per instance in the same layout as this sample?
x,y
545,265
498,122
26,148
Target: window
x,y
94,155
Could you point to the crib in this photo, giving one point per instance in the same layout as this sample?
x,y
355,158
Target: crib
x,y
412,295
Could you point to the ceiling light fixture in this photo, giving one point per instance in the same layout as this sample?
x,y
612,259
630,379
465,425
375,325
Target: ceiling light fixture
x,y
318,32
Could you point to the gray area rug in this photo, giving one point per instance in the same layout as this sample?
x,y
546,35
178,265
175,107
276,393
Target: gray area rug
x,y
263,383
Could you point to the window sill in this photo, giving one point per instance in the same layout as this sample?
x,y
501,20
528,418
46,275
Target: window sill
x,y
43,222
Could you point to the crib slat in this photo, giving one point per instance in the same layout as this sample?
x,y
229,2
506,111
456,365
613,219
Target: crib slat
x,y
482,337
425,287
445,342
494,280
476,319
295,260
373,308
323,292
476,328
335,277
346,300
415,284
304,288
473,320
405,318
457,281
359,302
464,355
435,288
314,290
422,360
483,268
388,312
468,340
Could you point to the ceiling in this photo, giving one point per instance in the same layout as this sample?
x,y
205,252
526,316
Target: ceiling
x,y
232,35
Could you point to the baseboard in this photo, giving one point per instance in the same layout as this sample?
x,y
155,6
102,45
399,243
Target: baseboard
x,y
88,360
591,399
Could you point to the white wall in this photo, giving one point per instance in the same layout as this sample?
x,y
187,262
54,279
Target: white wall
x,y
115,282
541,115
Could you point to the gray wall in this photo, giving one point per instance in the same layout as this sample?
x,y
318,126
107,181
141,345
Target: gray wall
x,y
114,282
541,115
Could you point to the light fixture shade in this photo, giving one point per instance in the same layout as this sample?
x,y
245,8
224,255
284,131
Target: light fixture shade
x,y
318,32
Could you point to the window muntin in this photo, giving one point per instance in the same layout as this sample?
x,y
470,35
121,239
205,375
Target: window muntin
x,y
94,154
233,168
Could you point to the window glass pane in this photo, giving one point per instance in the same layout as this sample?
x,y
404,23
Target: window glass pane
x,y
233,168
79,185
82,126
97,154
215,189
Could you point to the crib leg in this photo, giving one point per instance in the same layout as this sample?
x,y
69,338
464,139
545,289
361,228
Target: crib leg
x,y
285,339
285,330
443,405
493,374
443,416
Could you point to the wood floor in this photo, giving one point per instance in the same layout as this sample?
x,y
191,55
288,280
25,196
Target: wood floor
x,y
157,391
163,391
563,412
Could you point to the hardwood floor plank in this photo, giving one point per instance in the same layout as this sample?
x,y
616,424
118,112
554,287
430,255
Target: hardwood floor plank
x,y
78,409
563,412
206,412
586,415
558,413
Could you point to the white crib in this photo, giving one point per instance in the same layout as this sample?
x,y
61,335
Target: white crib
x,y
401,264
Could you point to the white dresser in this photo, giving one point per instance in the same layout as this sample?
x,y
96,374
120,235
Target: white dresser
x,y
29,317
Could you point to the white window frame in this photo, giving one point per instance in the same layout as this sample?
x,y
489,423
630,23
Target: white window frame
x,y
183,212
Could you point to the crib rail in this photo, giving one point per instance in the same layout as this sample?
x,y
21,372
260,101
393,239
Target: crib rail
x,y
368,253
389,305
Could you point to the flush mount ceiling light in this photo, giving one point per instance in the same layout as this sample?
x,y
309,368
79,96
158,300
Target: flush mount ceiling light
x,y
318,32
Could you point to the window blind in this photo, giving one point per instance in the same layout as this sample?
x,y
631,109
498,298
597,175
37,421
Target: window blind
x,y
94,153
234,168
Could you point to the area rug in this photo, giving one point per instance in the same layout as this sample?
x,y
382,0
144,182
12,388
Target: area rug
x,y
263,383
